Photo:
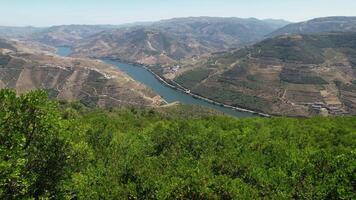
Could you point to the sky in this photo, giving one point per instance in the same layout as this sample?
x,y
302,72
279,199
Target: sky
x,y
58,12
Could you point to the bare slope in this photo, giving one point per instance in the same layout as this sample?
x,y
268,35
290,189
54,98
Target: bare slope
x,y
168,41
92,82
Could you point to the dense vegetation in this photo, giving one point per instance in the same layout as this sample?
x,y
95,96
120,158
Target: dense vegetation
x,y
66,151
227,94
193,77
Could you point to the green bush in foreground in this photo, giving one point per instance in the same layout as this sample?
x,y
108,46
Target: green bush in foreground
x,y
140,154
32,152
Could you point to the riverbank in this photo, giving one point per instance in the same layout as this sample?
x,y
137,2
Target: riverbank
x,y
188,92
165,89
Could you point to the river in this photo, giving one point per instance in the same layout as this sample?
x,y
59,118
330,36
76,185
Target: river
x,y
169,94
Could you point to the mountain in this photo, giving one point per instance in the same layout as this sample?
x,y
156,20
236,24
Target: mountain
x,y
143,45
67,35
91,82
62,35
18,32
167,41
299,75
277,23
319,25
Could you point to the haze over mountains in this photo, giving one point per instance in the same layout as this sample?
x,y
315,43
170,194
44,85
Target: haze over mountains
x,y
168,41
319,25
271,66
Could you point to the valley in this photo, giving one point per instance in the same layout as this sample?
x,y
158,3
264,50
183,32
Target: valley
x,y
168,92
229,64
90,82
172,94
298,75
177,100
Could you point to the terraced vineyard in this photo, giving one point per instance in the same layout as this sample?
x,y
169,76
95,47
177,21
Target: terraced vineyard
x,y
286,75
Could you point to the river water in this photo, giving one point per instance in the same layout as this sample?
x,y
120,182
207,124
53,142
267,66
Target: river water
x,y
169,94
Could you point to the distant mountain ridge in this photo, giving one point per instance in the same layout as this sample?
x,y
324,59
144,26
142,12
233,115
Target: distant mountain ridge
x,y
18,32
318,25
67,35
60,35
166,41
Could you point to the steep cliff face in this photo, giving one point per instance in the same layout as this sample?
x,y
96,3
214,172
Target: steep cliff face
x,y
91,82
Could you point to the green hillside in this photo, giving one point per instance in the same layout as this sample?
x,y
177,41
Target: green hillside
x,y
66,151
284,75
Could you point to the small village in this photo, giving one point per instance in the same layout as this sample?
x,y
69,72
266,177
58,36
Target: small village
x,y
173,69
326,109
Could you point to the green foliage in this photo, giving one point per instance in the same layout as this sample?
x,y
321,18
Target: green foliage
x,y
193,77
184,111
32,152
141,156
133,153
235,98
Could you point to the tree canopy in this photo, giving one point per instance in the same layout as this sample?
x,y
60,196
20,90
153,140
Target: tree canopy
x,y
67,151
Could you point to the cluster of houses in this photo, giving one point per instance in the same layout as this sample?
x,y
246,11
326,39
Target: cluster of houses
x,y
173,69
322,108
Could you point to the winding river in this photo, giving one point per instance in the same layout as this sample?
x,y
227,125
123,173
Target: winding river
x,y
169,94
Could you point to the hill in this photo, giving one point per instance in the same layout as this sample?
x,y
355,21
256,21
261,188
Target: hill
x,y
61,35
298,75
91,82
318,25
167,41
67,35
18,32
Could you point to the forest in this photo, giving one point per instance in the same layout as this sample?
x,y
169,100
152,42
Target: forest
x,y
53,149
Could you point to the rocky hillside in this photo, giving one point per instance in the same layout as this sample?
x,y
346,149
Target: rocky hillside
x,y
91,82
298,75
319,25
168,41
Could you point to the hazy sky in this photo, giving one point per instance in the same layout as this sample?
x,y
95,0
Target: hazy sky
x,y
56,12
